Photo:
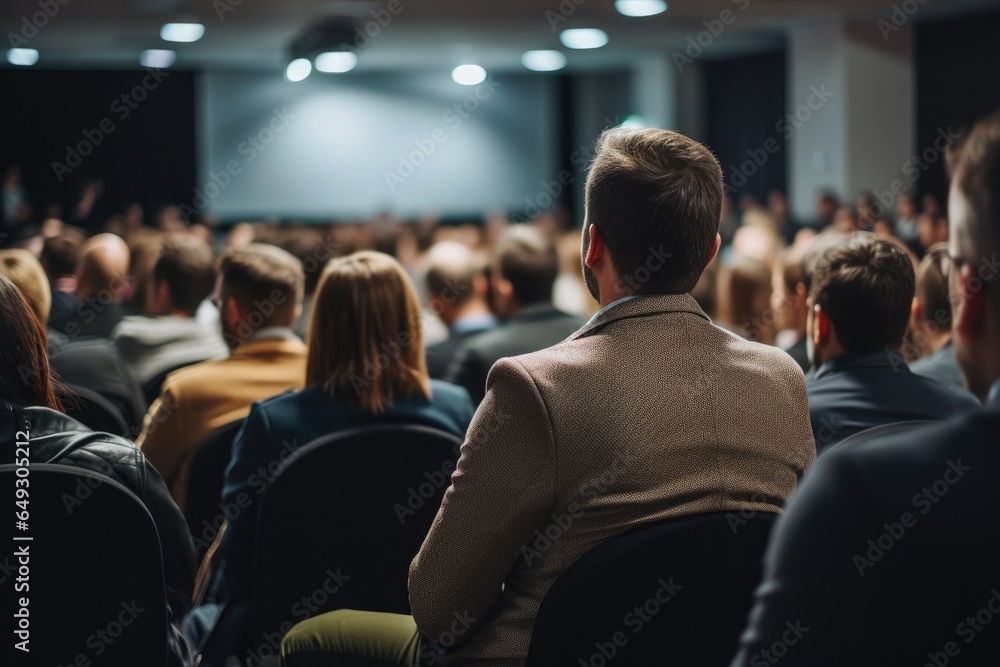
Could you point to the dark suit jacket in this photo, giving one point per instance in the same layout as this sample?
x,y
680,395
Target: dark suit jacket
x,y
89,318
531,329
440,355
800,353
888,554
854,392
941,366
287,421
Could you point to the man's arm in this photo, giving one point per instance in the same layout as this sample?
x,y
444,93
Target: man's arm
x,y
502,490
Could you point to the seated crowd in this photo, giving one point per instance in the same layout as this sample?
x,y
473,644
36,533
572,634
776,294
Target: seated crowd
x,y
835,373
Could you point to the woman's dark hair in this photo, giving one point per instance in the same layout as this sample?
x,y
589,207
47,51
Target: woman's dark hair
x,y
25,377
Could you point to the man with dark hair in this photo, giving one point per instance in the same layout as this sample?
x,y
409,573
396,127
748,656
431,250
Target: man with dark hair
x,y
182,277
788,302
640,398
887,554
522,273
101,282
59,257
457,290
930,320
259,294
859,310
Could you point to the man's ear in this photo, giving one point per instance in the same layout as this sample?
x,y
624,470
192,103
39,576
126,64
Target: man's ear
x,y
596,250
800,296
973,310
715,249
481,286
164,301
232,312
916,312
821,325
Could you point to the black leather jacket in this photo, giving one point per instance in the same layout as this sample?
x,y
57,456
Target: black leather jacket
x,y
55,438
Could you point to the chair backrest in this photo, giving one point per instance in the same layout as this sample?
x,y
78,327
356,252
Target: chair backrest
x,y
673,592
96,412
92,576
206,477
342,520
876,432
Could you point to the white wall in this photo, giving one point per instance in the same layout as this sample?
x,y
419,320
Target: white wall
x,y
342,135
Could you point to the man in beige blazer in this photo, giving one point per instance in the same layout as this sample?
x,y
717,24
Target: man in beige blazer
x,y
649,411
259,294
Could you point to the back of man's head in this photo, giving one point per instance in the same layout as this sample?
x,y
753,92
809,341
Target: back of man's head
x,y
656,198
101,271
932,287
865,285
59,256
452,268
527,259
265,281
186,267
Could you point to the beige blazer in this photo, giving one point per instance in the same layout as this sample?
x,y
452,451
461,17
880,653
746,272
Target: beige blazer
x,y
197,400
648,412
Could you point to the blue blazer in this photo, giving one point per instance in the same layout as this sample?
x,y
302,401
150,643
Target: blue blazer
x,y
854,392
279,425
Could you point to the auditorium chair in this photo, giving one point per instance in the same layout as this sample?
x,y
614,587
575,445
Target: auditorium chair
x,y
96,412
92,576
206,477
674,592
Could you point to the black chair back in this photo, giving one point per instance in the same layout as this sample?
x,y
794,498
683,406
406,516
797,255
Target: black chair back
x,y
674,592
92,573
96,412
206,477
342,520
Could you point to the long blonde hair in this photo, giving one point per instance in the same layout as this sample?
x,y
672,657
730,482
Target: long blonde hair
x,y
365,346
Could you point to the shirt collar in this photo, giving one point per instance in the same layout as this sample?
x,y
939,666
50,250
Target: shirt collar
x,y
476,322
850,361
608,307
272,333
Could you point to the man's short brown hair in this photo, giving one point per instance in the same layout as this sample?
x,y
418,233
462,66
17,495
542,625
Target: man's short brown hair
x,y
655,194
527,259
263,273
865,285
186,265
932,286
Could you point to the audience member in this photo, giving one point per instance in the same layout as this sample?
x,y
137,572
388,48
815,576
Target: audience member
x,y
22,269
930,320
29,394
744,298
906,219
522,274
259,294
59,257
170,337
887,554
641,397
457,290
101,281
788,303
777,207
859,301
373,293
931,229
826,209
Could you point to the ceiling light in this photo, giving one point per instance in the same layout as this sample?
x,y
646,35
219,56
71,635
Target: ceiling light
x,y
23,57
182,32
468,75
336,61
640,7
543,61
157,58
298,69
583,38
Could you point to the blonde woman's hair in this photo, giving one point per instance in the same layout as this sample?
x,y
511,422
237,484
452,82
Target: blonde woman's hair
x,y
365,346
26,272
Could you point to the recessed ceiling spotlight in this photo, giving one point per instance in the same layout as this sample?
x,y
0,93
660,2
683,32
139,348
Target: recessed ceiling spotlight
x,y
22,57
336,62
182,32
298,69
543,60
468,75
640,7
157,58
583,38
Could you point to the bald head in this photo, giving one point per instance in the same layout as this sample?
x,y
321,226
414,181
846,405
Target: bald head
x,y
103,265
453,275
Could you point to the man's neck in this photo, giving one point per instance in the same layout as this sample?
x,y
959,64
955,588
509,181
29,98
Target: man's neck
x,y
938,342
473,308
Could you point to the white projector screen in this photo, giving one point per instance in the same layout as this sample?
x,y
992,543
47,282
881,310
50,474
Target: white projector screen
x,y
354,146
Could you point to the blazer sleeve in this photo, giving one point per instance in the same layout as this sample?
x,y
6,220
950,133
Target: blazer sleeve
x,y
162,432
502,489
